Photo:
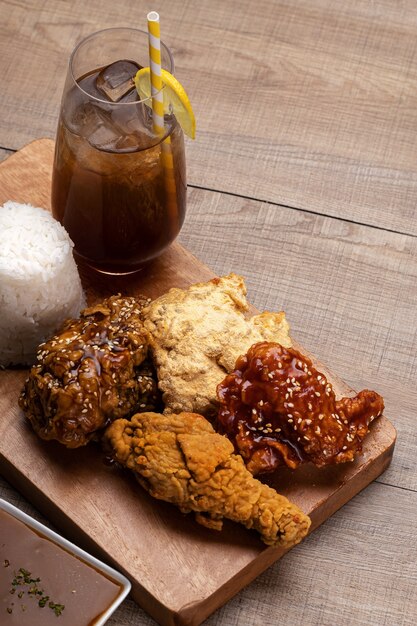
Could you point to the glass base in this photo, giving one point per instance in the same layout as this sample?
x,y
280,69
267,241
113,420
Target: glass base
x,y
109,273
105,271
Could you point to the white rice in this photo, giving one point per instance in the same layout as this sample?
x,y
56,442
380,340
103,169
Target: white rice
x,y
39,281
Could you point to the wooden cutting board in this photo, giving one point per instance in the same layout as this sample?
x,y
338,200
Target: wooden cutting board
x,y
180,571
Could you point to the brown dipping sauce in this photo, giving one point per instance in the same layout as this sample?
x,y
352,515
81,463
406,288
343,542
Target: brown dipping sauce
x,y
69,582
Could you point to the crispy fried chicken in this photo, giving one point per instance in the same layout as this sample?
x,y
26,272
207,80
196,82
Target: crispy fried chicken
x,y
91,372
278,409
197,335
182,460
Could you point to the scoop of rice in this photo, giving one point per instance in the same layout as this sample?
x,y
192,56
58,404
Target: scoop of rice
x,y
39,281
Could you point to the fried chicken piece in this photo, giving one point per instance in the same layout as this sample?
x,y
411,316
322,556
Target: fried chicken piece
x,y
278,409
91,372
197,335
182,460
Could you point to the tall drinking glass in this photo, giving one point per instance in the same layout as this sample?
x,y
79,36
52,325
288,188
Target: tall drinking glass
x,y
110,186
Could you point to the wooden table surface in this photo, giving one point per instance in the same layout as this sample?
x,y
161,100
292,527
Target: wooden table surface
x,y
303,178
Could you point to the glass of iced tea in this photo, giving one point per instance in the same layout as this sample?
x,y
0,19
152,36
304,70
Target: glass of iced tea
x,y
109,184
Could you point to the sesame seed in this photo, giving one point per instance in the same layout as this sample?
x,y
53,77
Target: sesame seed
x,y
344,448
317,393
308,422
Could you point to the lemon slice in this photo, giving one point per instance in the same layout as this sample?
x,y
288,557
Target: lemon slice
x,y
174,96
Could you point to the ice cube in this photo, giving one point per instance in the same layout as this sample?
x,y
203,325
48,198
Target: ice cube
x,y
116,80
118,130
98,127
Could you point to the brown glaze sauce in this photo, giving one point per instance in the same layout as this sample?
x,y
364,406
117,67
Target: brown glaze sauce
x,y
65,579
278,409
90,372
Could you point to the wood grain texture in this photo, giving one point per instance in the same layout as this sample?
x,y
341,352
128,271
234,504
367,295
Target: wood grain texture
x,y
328,124
180,573
4,154
197,572
349,291
312,105
357,570
342,574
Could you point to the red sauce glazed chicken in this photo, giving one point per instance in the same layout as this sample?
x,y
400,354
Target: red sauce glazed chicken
x,y
278,409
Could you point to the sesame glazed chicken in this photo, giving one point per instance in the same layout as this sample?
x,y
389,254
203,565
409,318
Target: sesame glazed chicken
x,y
278,409
91,372
179,458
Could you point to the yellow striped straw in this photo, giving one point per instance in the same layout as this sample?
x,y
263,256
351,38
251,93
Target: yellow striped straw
x,y
158,114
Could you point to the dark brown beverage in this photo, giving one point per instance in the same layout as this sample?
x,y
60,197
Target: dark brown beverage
x,y
111,189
